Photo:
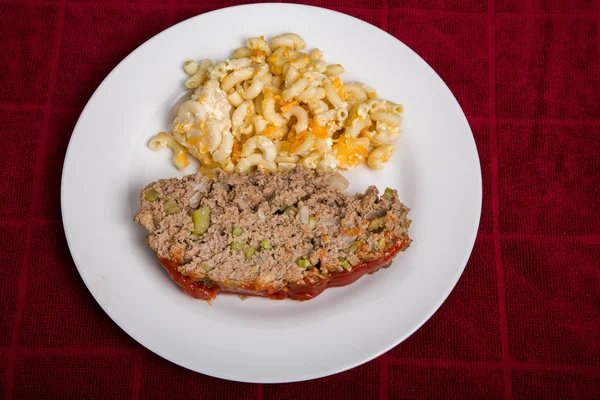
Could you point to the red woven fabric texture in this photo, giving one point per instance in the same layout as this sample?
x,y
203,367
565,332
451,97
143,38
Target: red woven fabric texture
x,y
524,320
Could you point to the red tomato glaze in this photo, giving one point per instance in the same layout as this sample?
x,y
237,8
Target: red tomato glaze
x,y
304,291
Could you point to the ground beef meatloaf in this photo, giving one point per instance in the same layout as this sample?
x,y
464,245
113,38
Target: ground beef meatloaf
x,y
288,235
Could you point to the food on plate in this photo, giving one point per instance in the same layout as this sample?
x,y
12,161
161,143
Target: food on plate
x,y
273,106
285,235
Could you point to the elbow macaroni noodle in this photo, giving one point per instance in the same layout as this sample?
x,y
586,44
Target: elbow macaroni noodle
x,y
273,106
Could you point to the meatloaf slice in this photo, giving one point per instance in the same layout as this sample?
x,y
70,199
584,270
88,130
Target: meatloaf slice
x,y
288,235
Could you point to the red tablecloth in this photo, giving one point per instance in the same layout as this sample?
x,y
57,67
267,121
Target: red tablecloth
x,y
524,320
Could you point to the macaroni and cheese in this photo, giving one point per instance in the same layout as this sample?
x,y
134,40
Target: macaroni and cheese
x,y
272,106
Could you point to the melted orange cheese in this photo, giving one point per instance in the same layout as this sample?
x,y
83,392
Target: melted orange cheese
x,y
296,140
317,130
349,154
236,151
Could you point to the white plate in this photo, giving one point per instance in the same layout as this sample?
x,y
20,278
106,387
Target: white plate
x,y
436,170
